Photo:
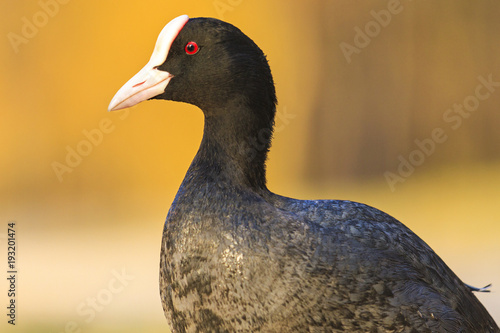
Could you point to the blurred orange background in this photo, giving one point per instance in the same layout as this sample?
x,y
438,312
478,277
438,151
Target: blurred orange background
x,y
89,190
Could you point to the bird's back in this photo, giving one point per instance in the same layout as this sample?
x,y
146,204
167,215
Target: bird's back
x,y
387,268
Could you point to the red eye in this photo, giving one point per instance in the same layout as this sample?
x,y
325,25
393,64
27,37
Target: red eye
x,y
191,48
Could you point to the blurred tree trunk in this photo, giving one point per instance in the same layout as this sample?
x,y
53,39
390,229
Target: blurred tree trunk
x,y
395,90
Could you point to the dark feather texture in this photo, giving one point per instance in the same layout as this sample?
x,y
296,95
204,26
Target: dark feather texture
x,y
237,258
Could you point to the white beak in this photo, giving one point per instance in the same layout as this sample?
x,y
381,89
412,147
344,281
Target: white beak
x,y
150,81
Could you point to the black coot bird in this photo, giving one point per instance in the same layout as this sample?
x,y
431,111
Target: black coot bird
x,y
236,257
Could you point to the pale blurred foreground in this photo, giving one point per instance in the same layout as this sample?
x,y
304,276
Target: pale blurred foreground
x,y
82,279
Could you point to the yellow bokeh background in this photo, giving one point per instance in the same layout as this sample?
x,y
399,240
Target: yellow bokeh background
x,y
102,215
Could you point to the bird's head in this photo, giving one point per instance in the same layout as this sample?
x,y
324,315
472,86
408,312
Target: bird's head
x,y
205,62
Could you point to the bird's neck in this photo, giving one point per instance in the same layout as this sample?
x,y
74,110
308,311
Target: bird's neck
x,y
234,148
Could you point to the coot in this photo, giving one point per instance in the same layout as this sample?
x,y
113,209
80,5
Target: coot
x,y
236,257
